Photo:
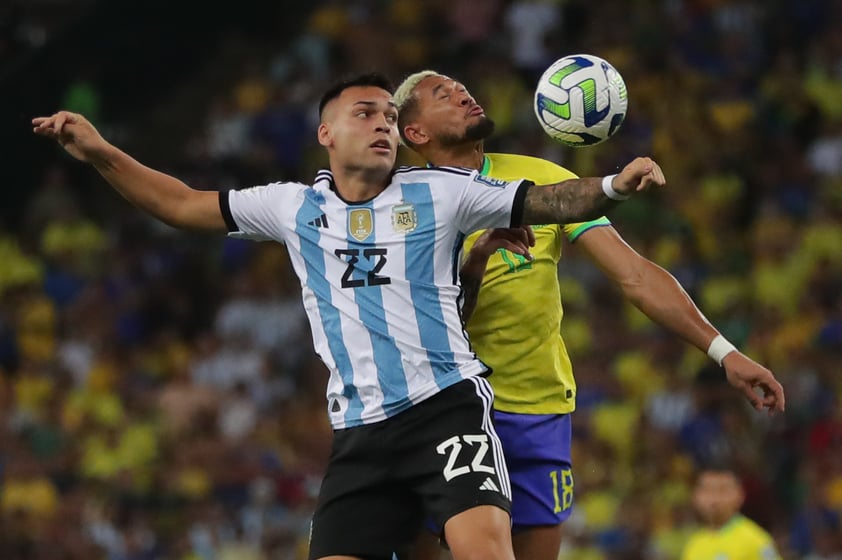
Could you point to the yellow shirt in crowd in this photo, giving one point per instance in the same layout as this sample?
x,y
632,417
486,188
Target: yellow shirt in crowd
x,y
739,539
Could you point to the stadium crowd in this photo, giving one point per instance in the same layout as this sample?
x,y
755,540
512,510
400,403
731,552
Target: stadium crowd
x,y
27,25
159,394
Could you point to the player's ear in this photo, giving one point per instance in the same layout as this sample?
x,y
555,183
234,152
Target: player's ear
x,y
741,496
324,135
415,134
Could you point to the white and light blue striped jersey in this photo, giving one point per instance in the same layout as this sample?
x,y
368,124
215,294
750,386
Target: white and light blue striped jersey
x,y
379,278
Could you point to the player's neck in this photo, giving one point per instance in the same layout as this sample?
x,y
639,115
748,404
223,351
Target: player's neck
x,y
355,184
720,524
469,155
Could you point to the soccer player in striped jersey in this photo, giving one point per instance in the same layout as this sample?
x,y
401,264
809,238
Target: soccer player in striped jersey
x,y
533,380
376,252
726,534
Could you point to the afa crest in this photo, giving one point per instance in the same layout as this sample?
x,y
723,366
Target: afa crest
x,y
360,223
404,218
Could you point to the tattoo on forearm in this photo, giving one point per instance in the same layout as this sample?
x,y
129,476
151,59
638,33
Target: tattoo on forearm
x,y
574,200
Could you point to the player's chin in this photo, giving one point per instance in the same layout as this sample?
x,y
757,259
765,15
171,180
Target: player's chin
x,y
380,162
382,152
480,127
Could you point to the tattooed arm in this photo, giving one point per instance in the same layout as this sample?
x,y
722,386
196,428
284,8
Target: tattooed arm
x,y
580,200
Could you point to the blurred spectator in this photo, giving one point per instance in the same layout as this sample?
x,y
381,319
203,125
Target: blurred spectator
x,y
83,96
529,22
237,414
228,130
718,497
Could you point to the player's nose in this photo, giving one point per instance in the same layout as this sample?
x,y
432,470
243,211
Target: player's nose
x,y
383,124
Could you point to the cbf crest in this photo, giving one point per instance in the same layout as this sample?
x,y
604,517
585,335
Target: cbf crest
x,y
404,218
360,223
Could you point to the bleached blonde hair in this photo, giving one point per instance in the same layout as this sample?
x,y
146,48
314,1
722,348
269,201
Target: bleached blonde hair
x,y
407,87
404,98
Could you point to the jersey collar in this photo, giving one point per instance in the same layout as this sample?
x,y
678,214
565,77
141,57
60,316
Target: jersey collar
x,y
327,175
486,165
484,170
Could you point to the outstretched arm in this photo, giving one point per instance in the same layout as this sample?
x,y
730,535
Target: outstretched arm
x,y
588,198
659,296
159,194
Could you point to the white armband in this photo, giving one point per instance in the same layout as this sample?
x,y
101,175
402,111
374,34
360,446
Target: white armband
x,y
719,348
609,191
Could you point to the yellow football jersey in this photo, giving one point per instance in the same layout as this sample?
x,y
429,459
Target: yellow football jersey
x,y
739,539
515,327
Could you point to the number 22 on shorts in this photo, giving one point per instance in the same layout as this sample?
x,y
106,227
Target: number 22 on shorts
x,y
452,446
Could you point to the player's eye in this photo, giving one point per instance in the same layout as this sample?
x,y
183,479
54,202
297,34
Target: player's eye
x,y
392,117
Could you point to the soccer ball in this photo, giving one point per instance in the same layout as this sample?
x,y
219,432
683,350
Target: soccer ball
x,y
581,100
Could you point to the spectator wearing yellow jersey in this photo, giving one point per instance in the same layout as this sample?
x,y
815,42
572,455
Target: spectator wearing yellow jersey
x,y
726,534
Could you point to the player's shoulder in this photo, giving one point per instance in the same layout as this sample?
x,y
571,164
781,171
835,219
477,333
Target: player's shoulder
x,y
275,186
279,194
750,527
751,536
323,181
695,542
529,162
414,172
434,177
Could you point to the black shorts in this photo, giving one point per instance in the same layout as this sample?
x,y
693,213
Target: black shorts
x,y
434,460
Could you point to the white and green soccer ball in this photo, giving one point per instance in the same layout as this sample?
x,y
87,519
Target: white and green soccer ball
x,y
581,100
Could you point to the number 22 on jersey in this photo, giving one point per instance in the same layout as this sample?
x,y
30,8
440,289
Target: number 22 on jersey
x,y
370,260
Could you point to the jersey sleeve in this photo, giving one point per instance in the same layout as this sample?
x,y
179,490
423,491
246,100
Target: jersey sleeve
x,y
490,203
573,231
256,213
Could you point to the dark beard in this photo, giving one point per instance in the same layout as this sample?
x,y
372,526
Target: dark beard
x,y
474,133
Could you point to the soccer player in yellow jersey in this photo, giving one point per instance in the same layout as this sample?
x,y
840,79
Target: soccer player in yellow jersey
x,y
518,335
726,535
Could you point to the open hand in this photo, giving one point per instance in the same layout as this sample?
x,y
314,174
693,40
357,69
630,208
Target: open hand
x,y
74,133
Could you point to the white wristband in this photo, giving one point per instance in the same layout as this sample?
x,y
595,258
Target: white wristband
x,y
719,348
609,190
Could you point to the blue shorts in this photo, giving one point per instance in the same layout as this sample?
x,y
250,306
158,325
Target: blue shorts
x,y
537,451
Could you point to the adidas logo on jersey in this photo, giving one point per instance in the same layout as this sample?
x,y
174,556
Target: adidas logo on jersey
x,y
321,221
489,485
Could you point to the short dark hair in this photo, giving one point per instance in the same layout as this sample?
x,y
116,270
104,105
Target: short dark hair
x,y
373,79
724,464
